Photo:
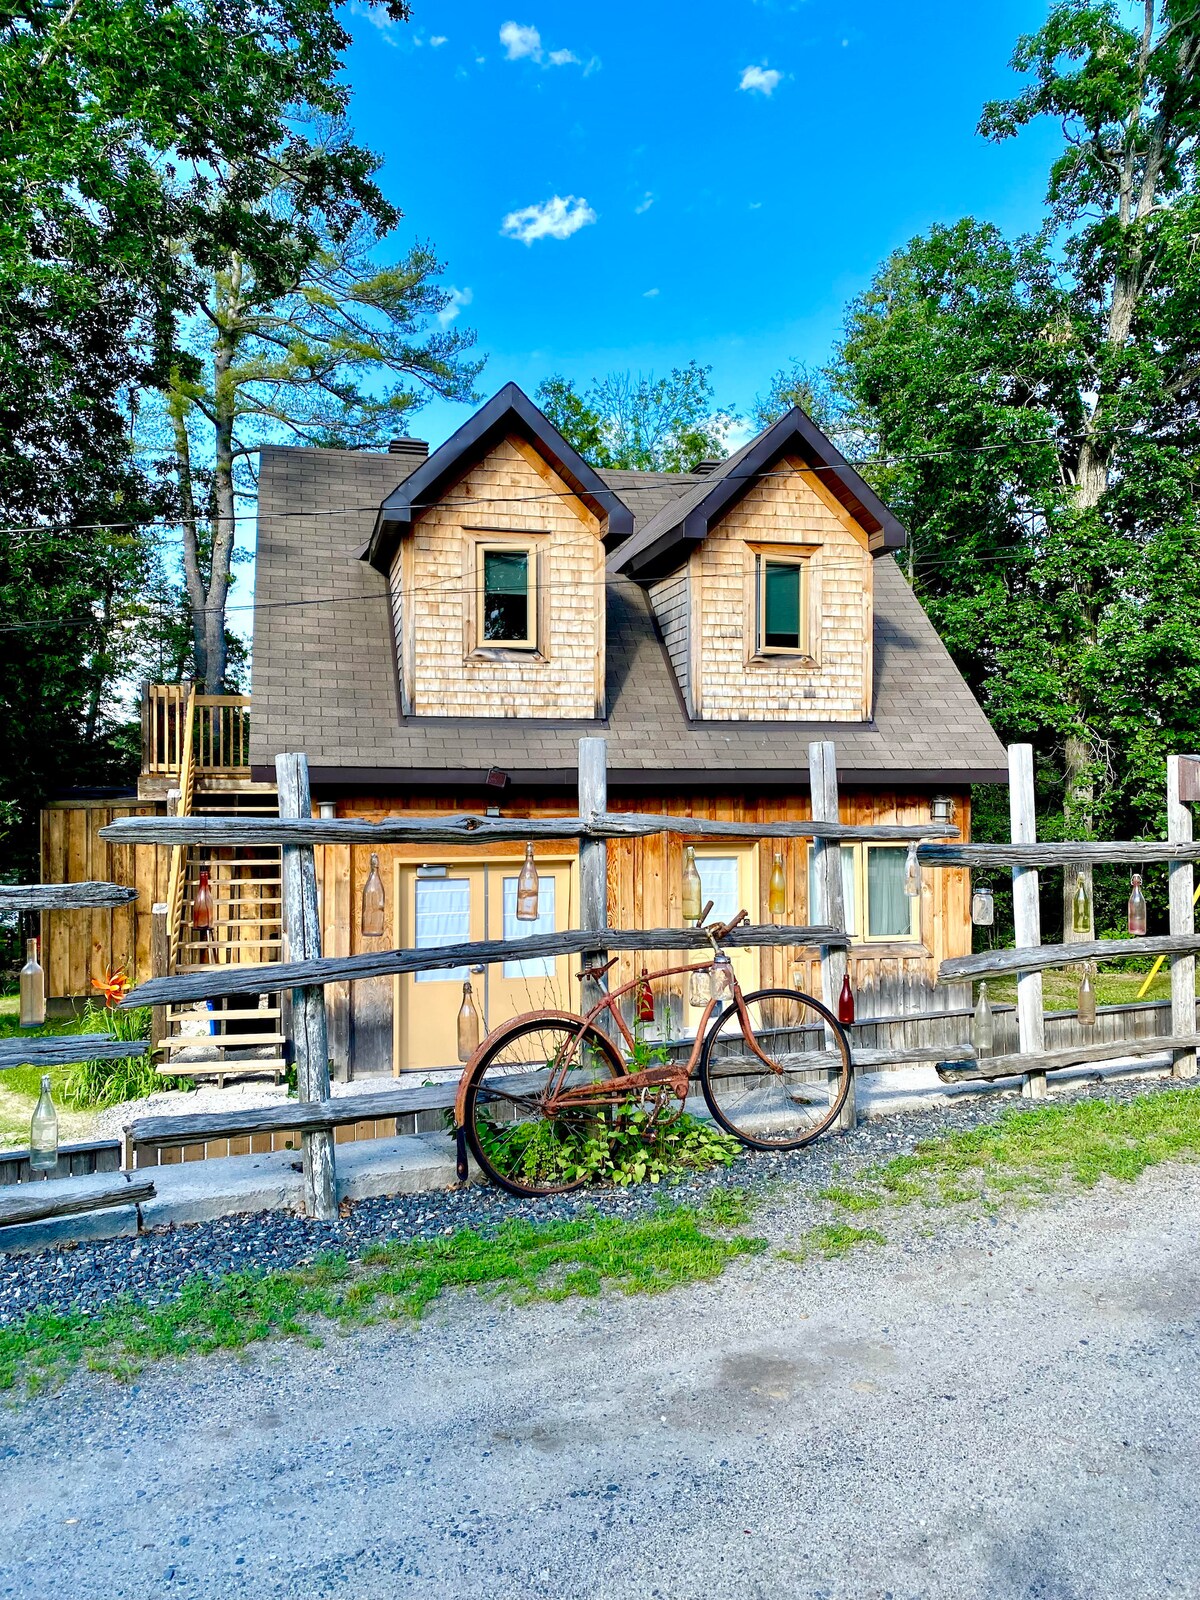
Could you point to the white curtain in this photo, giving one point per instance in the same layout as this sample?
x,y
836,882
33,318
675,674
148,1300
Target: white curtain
x,y
889,909
538,966
443,916
848,897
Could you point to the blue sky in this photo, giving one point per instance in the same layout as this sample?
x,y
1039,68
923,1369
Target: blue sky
x,y
701,180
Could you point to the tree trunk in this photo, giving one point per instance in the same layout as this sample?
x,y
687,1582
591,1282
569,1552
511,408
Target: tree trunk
x,y
223,497
197,598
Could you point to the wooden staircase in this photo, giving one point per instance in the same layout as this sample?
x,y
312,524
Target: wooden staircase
x,y
236,1037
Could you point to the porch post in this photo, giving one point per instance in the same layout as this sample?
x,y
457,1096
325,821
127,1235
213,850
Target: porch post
x,y
309,1035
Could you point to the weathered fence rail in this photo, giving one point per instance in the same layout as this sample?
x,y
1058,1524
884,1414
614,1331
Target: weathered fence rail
x,y
64,896
1066,852
1037,958
36,1202
182,987
61,1050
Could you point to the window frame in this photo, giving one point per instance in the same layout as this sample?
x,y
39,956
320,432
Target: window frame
x,y
859,913
490,544
762,556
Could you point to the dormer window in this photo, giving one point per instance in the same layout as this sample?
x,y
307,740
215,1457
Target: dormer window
x,y
780,604
506,596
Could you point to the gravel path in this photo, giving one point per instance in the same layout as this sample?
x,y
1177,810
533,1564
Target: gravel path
x,y
154,1265
1005,1410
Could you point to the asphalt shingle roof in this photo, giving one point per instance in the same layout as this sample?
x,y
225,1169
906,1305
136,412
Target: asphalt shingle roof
x,y
324,675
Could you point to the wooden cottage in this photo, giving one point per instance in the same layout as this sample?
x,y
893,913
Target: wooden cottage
x,y
437,631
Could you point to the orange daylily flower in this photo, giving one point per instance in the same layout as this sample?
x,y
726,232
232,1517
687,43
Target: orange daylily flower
x,y
114,986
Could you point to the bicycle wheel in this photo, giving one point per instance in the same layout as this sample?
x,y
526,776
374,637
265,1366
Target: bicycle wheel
x,y
515,1138
787,1100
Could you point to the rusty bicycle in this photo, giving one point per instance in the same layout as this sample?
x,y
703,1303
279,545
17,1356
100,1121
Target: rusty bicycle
x,y
774,1068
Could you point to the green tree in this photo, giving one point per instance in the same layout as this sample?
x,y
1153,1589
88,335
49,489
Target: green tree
x,y
798,384
644,424
1033,403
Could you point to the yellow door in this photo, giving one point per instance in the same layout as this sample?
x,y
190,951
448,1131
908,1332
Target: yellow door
x,y
729,878
450,903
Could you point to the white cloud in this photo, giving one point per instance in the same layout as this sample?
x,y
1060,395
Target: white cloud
x,y
458,299
650,294
378,19
437,39
520,40
644,203
555,218
756,205
762,79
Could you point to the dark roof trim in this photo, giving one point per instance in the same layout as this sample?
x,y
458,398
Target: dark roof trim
x,y
706,778
664,541
509,411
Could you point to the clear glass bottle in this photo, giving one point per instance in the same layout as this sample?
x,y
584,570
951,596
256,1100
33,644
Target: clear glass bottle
x,y
983,907
1085,1005
43,1132
777,890
33,988
692,888
1081,906
1137,908
468,1024
373,904
912,872
845,1005
700,986
983,1029
202,902
722,977
527,888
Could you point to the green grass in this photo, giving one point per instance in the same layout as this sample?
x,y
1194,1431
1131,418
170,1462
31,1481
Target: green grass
x,y
830,1241
1060,987
1032,1152
551,1261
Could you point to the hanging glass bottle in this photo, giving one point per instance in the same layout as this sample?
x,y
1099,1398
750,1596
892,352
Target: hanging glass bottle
x,y
777,892
983,907
722,978
527,889
33,988
1081,906
1137,908
202,903
845,1008
700,986
644,1010
912,872
43,1132
372,923
468,1025
983,1029
1085,1007
692,888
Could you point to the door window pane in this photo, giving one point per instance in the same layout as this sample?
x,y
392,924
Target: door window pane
x,y
719,883
442,917
538,966
781,605
506,596
848,901
889,909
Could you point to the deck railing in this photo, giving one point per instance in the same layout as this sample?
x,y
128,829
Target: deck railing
x,y
219,732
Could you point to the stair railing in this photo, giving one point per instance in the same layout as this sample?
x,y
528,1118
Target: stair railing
x,y
183,808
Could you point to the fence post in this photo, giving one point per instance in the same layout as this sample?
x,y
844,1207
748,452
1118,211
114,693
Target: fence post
x,y
160,965
593,862
1183,921
1027,916
309,1035
831,909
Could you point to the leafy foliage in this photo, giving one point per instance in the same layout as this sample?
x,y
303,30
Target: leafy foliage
x,y
644,424
93,1084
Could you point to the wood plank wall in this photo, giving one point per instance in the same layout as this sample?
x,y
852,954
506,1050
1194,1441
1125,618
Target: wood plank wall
x,y
79,947
644,890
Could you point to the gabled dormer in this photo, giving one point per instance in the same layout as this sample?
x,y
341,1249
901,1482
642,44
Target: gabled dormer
x,y
494,549
761,577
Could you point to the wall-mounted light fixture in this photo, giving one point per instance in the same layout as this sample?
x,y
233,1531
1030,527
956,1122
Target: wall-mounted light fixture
x,y
941,808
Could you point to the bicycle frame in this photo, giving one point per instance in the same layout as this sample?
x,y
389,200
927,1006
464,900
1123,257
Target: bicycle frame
x,y
675,1075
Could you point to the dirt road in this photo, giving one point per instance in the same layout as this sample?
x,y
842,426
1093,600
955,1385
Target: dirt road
x,y
1002,1410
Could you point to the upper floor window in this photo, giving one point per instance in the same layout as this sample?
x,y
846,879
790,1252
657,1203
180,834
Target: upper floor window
x,y
506,596
780,609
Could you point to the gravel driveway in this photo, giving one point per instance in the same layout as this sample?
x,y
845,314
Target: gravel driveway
x,y
1006,1409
